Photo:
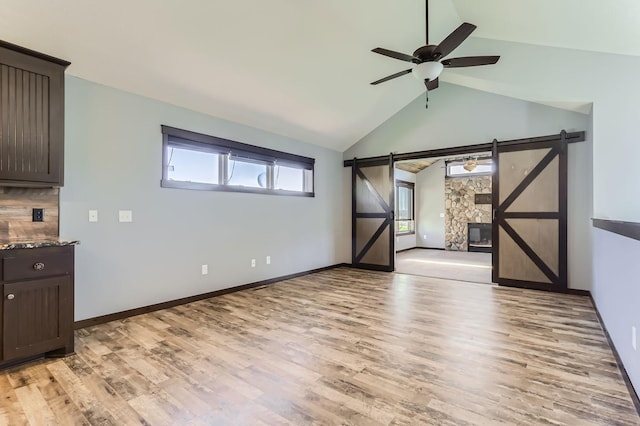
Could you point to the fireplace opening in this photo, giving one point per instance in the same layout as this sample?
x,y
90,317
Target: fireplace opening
x,y
479,237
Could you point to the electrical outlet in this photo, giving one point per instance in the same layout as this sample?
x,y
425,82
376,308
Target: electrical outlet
x,y
268,260
633,338
125,216
253,263
205,269
37,215
93,215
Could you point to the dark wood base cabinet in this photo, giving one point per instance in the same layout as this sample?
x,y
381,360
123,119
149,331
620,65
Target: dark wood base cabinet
x,y
37,303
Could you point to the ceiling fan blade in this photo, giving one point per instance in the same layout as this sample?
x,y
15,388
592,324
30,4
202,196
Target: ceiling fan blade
x,y
432,84
470,61
392,76
454,39
395,55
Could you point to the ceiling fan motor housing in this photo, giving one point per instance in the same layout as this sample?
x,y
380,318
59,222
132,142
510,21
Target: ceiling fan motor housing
x,y
426,53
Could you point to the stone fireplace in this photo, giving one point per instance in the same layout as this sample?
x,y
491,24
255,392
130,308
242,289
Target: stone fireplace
x,y
461,208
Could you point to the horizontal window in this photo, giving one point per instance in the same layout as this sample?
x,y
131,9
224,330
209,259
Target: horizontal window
x,y
472,166
197,161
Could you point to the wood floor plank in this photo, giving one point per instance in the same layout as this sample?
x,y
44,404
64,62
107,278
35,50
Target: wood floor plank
x,y
36,409
344,346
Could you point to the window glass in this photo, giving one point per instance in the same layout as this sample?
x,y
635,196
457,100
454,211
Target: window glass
x,y
405,223
187,165
404,226
201,162
248,174
288,178
405,207
459,170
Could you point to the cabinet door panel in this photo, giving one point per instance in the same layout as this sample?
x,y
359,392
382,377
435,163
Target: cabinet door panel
x,y
36,316
31,118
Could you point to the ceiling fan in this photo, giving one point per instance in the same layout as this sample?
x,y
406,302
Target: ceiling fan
x,y
429,59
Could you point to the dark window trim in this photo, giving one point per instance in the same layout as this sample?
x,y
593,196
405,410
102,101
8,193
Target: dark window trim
x,y
226,146
238,151
412,186
232,188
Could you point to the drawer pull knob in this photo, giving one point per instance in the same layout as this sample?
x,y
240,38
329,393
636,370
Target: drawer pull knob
x,y
38,266
11,296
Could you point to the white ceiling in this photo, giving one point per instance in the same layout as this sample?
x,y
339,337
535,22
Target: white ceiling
x,y
611,26
298,68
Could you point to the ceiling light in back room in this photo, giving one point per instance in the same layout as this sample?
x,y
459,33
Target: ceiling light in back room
x,y
470,165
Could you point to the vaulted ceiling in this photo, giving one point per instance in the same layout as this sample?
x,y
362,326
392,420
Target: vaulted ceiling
x,y
302,69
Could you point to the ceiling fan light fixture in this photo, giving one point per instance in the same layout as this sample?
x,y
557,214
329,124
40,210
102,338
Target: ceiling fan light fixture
x,y
427,70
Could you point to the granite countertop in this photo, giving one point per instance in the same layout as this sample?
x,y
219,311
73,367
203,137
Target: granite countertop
x,y
34,243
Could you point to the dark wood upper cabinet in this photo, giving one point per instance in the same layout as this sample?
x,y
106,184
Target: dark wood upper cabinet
x,y
31,117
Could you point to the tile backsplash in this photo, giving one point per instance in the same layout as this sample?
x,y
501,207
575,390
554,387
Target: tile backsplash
x,y
16,210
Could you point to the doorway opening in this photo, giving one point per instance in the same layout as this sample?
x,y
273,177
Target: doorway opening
x,y
444,217
529,209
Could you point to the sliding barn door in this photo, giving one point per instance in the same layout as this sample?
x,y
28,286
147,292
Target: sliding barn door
x,y
372,215
530,215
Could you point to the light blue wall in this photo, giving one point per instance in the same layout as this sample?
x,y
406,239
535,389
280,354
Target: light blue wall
x,y
460,116
430,204
405,242
616,291
114,161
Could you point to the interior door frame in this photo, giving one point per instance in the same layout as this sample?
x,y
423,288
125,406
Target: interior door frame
x,y
558,149
388,215
572,137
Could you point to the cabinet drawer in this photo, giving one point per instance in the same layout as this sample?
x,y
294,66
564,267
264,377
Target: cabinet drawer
x,y
37,263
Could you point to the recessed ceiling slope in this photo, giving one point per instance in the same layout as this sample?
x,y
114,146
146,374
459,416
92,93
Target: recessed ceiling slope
x,y
568,84
593,25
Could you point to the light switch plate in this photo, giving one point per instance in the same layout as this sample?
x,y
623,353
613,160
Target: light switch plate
x,y
125,215
93,215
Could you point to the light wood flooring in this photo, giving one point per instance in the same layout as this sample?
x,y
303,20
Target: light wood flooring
x,y
337,347
451,265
